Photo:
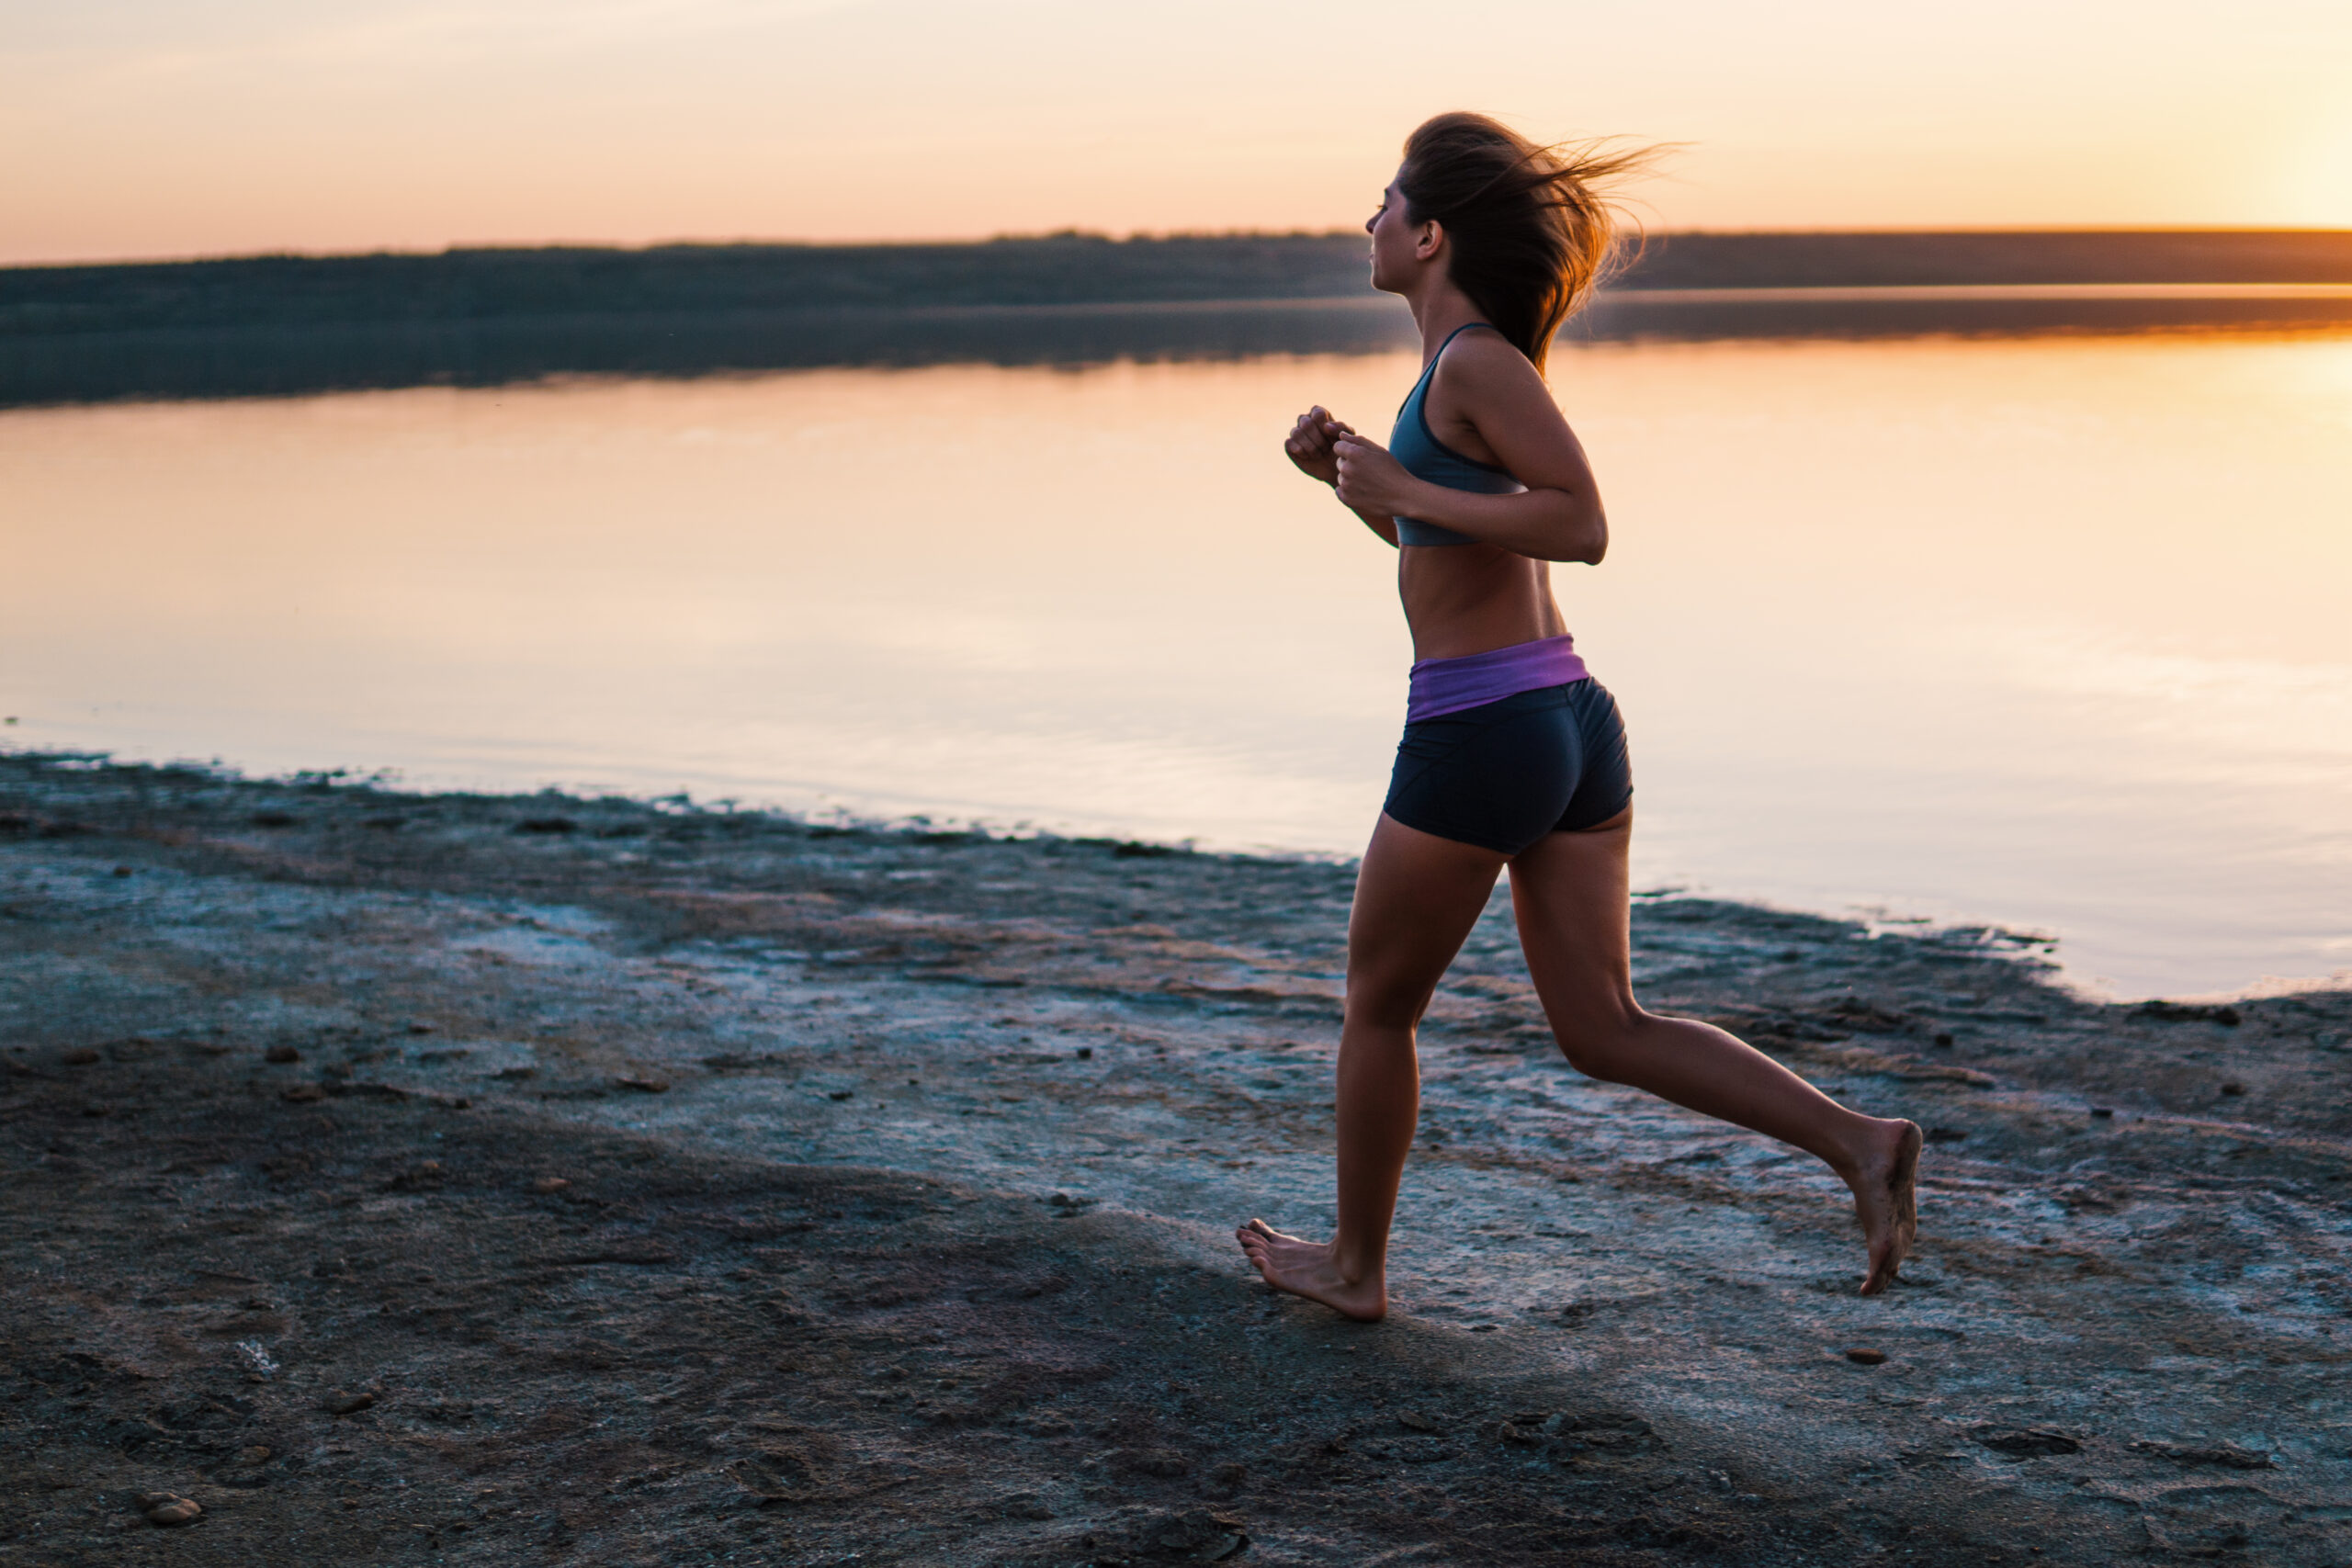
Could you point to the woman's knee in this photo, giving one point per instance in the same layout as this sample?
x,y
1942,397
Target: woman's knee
x,y
1600,1042
1385,1007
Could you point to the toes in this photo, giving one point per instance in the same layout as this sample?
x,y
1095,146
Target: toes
x,y
1885,1264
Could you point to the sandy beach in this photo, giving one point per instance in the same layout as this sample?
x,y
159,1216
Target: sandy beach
x,y
446,1179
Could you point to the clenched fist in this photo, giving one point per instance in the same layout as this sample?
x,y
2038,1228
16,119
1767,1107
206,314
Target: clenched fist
x,y
1309,443
1368,478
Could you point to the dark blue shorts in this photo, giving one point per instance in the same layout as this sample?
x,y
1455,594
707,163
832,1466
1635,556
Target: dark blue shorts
x,y
1504,774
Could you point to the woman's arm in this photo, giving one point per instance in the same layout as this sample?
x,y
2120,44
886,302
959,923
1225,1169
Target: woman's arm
x,y
1309,446
1493,389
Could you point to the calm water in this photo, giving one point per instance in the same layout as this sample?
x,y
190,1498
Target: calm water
x,y
2050,633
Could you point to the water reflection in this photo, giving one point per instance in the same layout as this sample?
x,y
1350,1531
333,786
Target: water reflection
x,y
498,351
2040,632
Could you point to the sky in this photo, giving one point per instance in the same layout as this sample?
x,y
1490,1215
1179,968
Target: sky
x,y
176,127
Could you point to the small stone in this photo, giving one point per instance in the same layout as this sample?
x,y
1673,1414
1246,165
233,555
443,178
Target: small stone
x,y
1086,1053
644,1085
550,1184
1024,1505
1060,1199
167,1508
125,871
2234,1088
281,1055
1863,1356
841,1094
257,1454
303,1093
80,1056
419,1028
2104,1113
341,1404
1413,1420
1944,1040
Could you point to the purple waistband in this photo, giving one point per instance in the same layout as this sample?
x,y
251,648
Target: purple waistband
x,y
1448,685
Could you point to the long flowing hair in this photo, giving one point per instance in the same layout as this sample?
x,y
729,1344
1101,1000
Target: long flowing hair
x,y
1529,229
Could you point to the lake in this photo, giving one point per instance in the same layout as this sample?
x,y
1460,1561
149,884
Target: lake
x,y
2045,632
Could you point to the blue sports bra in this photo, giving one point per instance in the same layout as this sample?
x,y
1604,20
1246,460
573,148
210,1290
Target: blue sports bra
x,y
1415,445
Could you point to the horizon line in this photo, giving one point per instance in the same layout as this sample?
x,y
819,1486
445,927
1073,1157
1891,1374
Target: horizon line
x,y
1144,235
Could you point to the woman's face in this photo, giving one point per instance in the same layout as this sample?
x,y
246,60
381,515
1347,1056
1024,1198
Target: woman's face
x,y
1395,240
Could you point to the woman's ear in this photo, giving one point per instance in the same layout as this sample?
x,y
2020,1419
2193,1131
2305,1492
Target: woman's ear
x,y
1431,241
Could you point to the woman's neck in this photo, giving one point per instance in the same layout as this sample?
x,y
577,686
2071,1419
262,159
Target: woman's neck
x,y
1439,309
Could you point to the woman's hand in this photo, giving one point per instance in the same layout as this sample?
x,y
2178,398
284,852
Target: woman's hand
x,y
1309,443
1369,479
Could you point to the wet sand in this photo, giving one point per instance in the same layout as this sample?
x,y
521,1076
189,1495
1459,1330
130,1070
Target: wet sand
x,y
527,1181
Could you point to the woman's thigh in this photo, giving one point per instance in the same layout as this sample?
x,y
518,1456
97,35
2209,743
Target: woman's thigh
x,y
1417,897
1570,894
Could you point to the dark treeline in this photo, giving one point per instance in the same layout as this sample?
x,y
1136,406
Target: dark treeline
x,y
459,286
284,325
1864,261
680,280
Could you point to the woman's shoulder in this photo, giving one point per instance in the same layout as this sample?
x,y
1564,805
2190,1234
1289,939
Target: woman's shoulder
x,y
1480,356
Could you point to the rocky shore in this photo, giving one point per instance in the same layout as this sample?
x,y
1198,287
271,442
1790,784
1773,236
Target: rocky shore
x,y
393,1177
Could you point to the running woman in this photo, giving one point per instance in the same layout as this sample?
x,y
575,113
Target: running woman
x,y
1512,755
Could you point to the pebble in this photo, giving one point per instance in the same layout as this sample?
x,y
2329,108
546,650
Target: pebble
x,y
303,1093
2234,1088
80,1056
280,1055
169,1508
550,1184
1863,1356
257,1454
1414,1420
644,1085
341,1404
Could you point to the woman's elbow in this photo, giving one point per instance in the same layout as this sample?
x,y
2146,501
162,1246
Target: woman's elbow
x,y
1584,539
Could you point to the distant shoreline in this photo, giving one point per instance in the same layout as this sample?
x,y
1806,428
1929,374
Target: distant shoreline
x,y
1065,269
279,326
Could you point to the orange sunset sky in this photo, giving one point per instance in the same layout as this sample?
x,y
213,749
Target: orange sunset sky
x,y
170,127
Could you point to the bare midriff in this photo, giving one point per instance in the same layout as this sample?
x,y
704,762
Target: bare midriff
x,y
1465,599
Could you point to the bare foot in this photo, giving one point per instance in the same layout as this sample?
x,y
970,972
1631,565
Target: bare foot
x,y
1884,1201
1307,1269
